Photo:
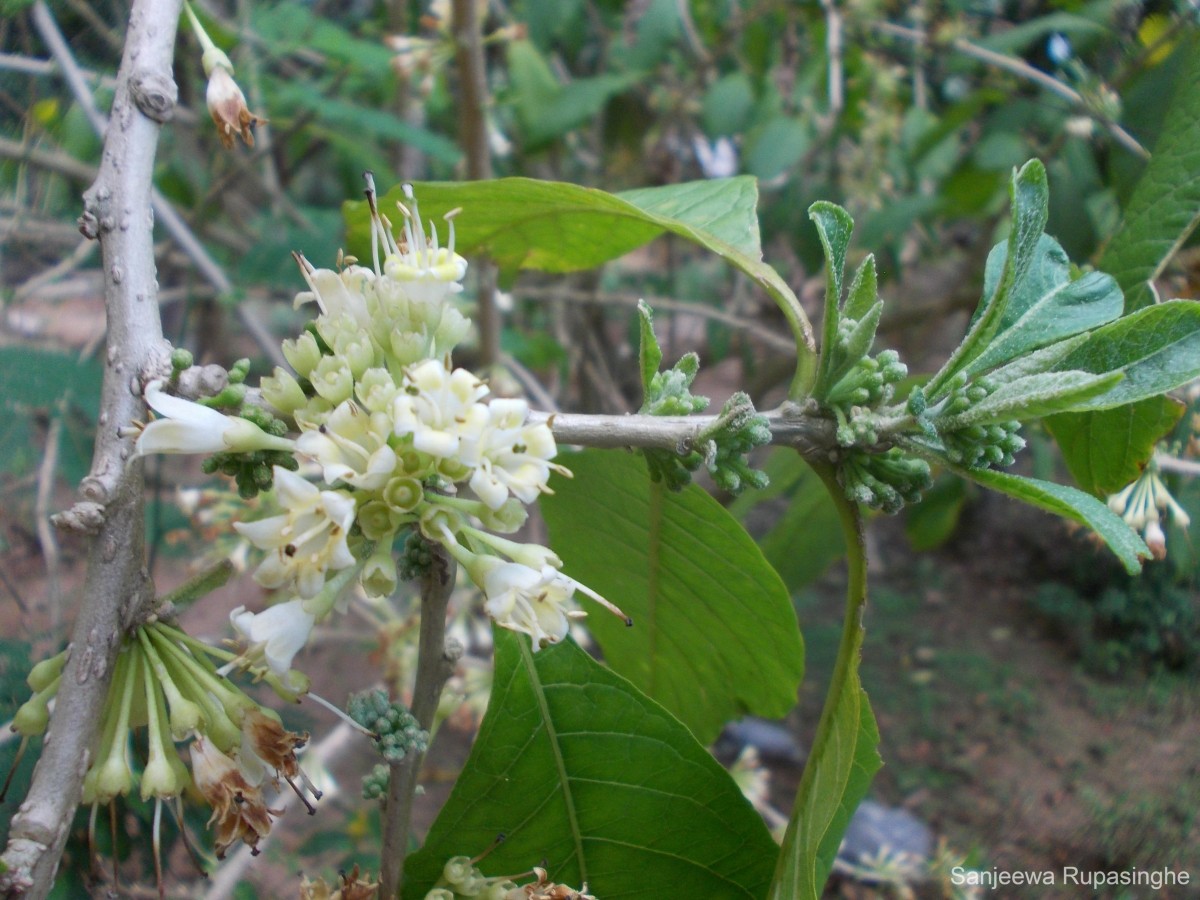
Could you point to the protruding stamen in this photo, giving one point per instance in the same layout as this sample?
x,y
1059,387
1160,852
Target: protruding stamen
x,y
610,606
341,715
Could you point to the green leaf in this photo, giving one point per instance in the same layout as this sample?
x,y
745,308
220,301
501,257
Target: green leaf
x,y
1032,397
776,147
844,765
1047,306
834,227
1030,199
864,290
556,227
649,352
714,634
727,104
548,109
1165,206
1098,463
587,776
1156,348
1071,504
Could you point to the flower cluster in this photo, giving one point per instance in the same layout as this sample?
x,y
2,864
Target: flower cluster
x,y
168,682
404,443
1144,504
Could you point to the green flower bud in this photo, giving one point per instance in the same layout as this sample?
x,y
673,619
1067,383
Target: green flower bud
x,y
181,359
159,778
378,577
331,378
303,354
283,391
408,347
33,716
46,672
186,717
508,518
441,894
403,494
458,869
377,520
376,389
114,777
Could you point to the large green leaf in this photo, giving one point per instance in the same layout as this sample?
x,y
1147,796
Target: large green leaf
x,y
1071,504
552,226
1165,205
587,776
1032,397
1157,349
1107,449
714,634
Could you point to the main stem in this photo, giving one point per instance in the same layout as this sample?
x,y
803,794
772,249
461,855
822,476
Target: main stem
x,y
116,588
435,664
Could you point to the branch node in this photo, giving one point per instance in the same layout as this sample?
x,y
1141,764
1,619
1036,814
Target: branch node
x,y
84,517
154,94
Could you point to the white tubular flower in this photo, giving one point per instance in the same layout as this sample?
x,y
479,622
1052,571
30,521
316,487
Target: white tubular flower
x,y
351,446
510,456
528,600
307,541
275,635
337,293
187,427
436,406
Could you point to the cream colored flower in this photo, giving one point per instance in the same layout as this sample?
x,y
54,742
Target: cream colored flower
x,y
187,427
307,541
275,635
509,456
436,406
352,446
527,600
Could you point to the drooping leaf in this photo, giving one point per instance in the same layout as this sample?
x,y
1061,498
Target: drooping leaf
x,y
585,775
1165,206
1106,449
714,634
1070,504
551,226
1157,349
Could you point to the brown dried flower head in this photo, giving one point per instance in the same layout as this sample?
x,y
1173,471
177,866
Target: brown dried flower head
x,y
239,811
227,106
544,889
352,887
266,744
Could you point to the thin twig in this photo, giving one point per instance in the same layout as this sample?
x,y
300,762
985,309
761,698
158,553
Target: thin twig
x,y
117,212
45,533
833,50
164,212
665,304
435,664
65,266
1021,69
1170,463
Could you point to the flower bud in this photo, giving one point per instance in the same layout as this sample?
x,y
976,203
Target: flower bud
x,y
282,391
303,353
160,779
46,672
113,777
332,379
376,389
33,716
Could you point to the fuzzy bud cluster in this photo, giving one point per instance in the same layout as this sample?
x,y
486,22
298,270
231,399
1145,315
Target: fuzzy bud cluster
x,y
397,732
884,481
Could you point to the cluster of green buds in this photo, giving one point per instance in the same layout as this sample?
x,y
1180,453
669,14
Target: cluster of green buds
x,y
884,481
397,732
966,441
722,447
168,682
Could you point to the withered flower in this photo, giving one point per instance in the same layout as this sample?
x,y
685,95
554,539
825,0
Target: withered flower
x,y
544,889
351,888
227,106
267,745
239,811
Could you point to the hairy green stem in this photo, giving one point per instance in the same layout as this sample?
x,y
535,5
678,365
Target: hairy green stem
x,y
435,664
